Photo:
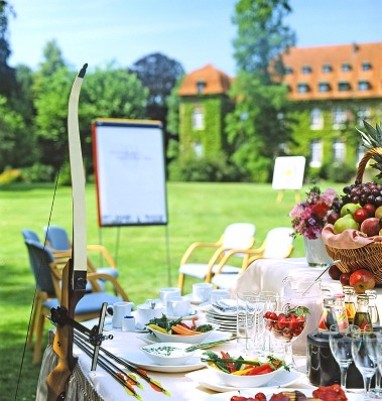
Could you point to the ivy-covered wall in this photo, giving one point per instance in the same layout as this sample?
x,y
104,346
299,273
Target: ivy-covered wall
x,y
212,136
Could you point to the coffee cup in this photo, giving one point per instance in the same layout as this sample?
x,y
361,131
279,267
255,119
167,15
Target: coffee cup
x,y
201,292
219,294
167,293
178,306
119,310
147,311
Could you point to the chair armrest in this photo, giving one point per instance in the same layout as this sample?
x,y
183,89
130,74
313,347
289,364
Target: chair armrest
x,y
92,277
234,252
101,249
195,246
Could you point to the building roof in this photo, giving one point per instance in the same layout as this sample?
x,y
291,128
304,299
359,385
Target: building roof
x,y
207,80
354,68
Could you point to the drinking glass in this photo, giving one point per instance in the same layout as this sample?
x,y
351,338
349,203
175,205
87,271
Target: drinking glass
x,y
362,359
340,343
374,348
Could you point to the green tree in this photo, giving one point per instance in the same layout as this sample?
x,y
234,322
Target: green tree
x,y
173,101
259,127
7,74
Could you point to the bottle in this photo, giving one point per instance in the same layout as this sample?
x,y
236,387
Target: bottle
x,y
373,310
349,302
327,316
362,317
340,314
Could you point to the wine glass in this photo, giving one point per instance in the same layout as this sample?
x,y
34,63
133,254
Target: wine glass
x,y
340,343
286,326
362,358
374,349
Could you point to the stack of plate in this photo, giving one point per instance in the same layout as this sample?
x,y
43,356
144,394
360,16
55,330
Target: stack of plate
x,y
223,314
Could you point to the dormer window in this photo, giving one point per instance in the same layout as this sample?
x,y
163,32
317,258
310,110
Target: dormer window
x,y
343,86
327,68
306,69
363,85
200,86
366,66
302,88
346,67
288,70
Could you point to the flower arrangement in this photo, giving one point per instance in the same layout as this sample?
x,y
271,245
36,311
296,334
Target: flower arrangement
x,y
310,216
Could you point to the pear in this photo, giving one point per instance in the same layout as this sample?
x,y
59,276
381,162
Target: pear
x,y
344,223
349,208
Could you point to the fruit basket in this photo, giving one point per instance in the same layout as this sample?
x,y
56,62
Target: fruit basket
x,y
354,249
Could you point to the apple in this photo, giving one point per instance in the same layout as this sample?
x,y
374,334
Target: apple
x,y
334,272
371,226
362,280
344,223
349,208
345,278
371,209
360,215
378,212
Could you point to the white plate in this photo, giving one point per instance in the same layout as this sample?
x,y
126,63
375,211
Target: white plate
x,y
215,335
138,358
207,379
268,393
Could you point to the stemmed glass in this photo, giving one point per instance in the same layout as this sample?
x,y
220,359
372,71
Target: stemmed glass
x,y
362,358
340,343
374,349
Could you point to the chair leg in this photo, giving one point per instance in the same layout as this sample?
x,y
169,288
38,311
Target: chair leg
x,y
40,333
181,282
32,328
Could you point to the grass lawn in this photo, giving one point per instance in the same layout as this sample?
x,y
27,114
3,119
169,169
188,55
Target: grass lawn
x,y
147,257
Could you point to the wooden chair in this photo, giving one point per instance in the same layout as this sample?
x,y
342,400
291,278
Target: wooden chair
x,y
237,236
47,274
278,244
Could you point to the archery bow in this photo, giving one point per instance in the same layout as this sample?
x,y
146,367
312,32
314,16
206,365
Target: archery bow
x,y
74,273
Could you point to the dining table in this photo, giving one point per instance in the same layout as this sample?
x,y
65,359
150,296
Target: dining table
x,y
192,381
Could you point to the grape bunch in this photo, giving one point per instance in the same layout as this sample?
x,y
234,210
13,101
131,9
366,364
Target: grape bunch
x,y
363,193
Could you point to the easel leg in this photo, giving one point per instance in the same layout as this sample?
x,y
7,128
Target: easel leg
x,y
280,196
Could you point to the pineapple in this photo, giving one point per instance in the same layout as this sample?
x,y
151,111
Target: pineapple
x,y
372,138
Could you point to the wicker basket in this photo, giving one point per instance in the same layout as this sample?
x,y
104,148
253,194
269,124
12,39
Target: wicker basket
x,y
368,257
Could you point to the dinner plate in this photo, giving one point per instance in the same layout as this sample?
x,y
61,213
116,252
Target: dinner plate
x,y
215,335
268,393
138,358
207,379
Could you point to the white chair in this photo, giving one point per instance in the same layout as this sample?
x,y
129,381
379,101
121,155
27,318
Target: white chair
x,y
278,244
238,236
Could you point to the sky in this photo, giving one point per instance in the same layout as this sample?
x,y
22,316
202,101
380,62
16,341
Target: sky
x,y
192,32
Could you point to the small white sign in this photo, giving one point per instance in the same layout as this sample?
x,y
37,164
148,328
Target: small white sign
x,y
288,172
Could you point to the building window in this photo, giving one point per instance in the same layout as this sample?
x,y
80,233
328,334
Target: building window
x,y
324,87
306,69
339,118
363,86
338,151
343,86
366,66
316,119
200,86
346,67
316,153
327,68
302,88
198,149
363,113
198,119
360,153
288,70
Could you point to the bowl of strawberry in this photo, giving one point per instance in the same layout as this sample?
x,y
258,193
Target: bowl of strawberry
x,y
286,326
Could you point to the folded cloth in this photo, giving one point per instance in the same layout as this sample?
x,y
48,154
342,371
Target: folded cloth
x,y
348,239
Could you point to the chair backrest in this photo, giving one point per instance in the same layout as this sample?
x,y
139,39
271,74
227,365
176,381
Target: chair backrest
x,y
30,235
278,243
40,257
239,236
58,238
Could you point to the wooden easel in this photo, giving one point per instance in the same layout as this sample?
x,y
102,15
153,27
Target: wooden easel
x,y
280,196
